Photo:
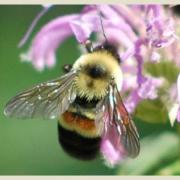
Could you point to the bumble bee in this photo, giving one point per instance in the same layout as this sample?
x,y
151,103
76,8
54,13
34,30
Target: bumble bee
x,y
86,101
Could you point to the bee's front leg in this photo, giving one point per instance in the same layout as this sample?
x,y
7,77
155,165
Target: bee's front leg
x,y
89,46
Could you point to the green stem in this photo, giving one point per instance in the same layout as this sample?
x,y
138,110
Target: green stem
x,y
178,132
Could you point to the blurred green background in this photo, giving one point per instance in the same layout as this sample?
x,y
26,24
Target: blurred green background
x,y
30,147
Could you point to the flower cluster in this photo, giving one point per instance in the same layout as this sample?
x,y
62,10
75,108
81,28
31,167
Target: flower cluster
x,y
147,41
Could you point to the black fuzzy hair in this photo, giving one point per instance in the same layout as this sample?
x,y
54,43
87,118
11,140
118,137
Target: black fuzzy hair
x,y
112,49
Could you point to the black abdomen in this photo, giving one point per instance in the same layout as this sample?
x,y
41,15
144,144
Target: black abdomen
x,y
77,145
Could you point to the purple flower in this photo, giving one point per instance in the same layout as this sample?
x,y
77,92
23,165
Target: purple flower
x,y
148,89
47,40
111,147
143,34
132,101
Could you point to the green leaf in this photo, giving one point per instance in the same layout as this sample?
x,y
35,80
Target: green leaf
x,y
151,111
156,111
165,69
171,169
155,151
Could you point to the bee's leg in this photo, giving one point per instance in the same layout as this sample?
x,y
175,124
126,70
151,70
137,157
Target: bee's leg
x,y
67,68
89,46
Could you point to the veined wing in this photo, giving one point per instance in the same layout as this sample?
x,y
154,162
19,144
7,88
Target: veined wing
x,y
111,113
47,100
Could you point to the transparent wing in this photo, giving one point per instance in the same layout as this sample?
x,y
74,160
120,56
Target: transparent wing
x,y
112,113
125,126
47,100
101,116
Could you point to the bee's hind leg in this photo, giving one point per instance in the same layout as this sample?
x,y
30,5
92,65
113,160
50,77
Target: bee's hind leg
x,y
67,68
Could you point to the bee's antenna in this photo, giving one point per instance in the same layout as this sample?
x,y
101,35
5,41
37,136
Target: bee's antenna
x,y
102,27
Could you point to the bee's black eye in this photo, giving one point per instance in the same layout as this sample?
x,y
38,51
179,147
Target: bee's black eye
x,y
96,72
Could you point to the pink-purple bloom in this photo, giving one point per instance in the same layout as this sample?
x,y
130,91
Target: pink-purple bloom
x,y
143,34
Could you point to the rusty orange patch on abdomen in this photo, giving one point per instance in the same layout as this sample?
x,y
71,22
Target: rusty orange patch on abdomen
x,y
80,124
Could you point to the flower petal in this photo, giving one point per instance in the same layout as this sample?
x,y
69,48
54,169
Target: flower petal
x,y
118,21
178,115
111,147
81,30
136,22
110,155
132,101
174,113
160,30
45,43
85,25
148,89
155,57
178,88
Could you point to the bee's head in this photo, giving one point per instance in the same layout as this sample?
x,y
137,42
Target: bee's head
x,y
96,69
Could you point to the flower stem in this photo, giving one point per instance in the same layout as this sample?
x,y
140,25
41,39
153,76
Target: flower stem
x,y
178,132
